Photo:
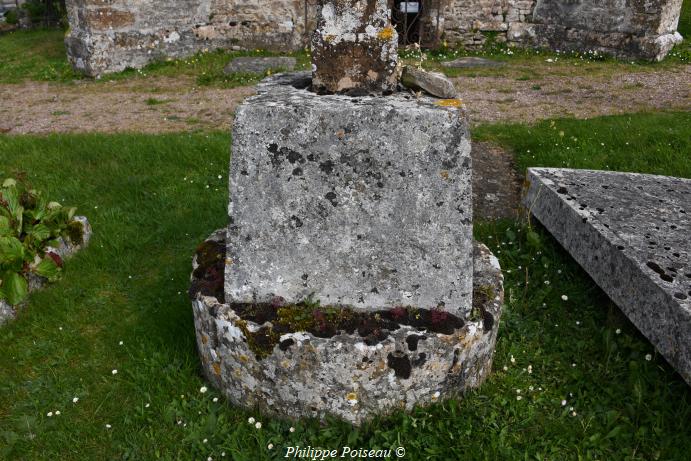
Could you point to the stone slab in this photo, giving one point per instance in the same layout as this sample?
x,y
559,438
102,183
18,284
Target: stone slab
x,y
259,65
364,202
471,62
632,234
342,375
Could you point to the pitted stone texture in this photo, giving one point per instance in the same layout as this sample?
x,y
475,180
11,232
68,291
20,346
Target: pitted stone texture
x,y
354,49
342,376
364,202
630,232
64,250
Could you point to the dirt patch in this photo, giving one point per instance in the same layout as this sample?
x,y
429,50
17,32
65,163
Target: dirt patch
x,y
164,104
502,99
496,183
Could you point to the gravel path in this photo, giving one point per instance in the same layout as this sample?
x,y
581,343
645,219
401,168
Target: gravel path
x,y
162,104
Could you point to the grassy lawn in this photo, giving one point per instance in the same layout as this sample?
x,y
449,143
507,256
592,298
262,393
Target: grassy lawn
x,y
153,198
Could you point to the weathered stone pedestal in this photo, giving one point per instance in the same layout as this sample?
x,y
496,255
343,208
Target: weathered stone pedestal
x,y
362,202
347,283
379,362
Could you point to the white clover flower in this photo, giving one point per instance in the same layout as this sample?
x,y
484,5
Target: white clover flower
x,y
251,420
564,298
519,397
573,365
215,399
506,368
573,413
518,391
205,440
108,426
530,388
209,459
270,446
57,412
75,400
223,454
618,331
49,414
115,372
258,425
513,359
570,408
563,403
203,389
530,369
121,343
648,357
292,429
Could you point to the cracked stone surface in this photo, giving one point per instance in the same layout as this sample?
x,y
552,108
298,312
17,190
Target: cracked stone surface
x,y
630,232
341,375
365,202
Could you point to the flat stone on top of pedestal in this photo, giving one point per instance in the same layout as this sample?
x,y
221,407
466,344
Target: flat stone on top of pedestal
x,y
364,202
630,232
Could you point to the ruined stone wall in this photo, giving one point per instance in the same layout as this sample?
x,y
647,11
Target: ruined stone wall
x,y
623,28
111,35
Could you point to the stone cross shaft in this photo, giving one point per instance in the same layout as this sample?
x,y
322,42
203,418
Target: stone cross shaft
x,y
354,48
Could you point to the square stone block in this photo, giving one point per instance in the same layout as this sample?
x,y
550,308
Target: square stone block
x,y
361,202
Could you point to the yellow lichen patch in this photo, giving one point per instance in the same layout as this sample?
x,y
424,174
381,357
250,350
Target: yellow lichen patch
x,y
444,174
351,396
229,261
449,103
329,38
217,368
243,358
386,33
205,339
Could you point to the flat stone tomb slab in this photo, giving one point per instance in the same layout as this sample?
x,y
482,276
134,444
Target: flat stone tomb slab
x,y
364,202
632,234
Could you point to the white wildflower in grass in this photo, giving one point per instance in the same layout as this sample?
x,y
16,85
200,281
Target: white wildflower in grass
x,y
577,322
223,454
75,400
618,331
215,399
251,420
564,298
203,389
573,365
292,429
57,412
518,391
530,369
209,459
270,446
570,408
258,425
506,368
530,388
108,426
49,414
121,343
563,403
115,372
648,357
519,397
513,359
147,405
205,440
573,413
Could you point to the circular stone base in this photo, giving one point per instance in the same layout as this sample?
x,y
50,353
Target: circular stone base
x,y
419,358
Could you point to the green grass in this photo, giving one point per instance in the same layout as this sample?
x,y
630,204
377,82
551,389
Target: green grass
x,y
153,198
34,55
656,143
